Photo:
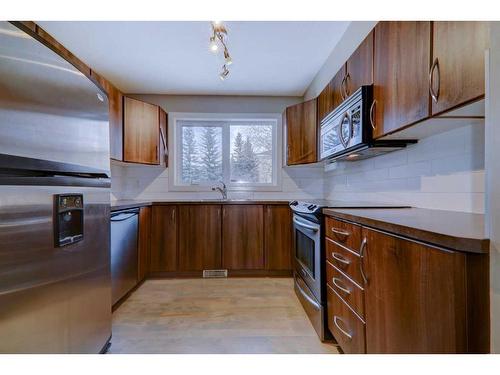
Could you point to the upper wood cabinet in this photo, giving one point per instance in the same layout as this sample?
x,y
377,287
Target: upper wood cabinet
x,y
415,297
278,237
243,237
163,256
141,132
163,142
332,95
458,68
300,120
359,67
401,70
199,237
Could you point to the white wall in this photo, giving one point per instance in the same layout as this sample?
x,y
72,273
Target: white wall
x,y
493,180
445,171
151,182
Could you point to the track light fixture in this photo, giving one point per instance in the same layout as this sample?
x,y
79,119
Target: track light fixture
x,y
219,34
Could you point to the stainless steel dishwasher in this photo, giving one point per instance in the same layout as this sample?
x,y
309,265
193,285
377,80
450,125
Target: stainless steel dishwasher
x,y
124,252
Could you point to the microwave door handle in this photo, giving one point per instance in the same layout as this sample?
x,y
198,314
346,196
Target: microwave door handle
x,y
315,229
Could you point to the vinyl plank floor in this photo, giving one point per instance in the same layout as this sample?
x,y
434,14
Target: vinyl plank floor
x,y
238,315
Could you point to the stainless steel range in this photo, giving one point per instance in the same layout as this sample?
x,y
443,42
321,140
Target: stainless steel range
x,y
308,262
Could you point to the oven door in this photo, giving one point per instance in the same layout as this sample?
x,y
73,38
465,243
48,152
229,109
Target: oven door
x,y
307,253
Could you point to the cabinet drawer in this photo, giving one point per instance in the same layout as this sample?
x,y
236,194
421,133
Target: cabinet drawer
x,y
346,327
344,233
345,260
350,292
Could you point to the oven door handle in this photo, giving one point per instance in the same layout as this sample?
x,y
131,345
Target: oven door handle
x,y
306,296
300,224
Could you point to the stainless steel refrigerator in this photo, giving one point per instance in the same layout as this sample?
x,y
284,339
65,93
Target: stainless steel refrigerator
x,y
55,290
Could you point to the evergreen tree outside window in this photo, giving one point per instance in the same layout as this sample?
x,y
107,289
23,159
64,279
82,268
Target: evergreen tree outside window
x,y
242,153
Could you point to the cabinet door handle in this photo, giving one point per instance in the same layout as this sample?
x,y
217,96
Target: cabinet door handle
x,y
340,258
434,94
342,88
361,256
335,321
337,283
346,84
173,215
372,114
340,232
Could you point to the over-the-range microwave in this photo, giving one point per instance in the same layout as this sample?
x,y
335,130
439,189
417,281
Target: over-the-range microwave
x,y
347,132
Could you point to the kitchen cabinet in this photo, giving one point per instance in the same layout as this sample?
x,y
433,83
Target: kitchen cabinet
x,y
458,69
141,132
401,75
144,242
199,237
301,128
332,95
243,237
163,256
347,328
278,237
359,67
415,297
391,294
163,137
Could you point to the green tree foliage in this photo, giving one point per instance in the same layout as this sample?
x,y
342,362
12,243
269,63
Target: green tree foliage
x,y
211,160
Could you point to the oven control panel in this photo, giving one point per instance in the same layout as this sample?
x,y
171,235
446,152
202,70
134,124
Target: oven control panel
x,y
305,207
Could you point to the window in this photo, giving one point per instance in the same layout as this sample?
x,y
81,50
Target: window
x,y
240,150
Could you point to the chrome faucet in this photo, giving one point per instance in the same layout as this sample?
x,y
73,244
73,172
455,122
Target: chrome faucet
x,y
222,190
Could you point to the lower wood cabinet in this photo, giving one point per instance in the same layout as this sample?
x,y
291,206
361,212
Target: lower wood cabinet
x,y
199,237
403,296
189,238
278,237
243,237
144,242
347,328
163,239
416,297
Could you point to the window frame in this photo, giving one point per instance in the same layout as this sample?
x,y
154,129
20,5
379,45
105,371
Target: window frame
x,y
175,153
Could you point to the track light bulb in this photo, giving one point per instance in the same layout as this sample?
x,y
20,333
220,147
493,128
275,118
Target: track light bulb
x,y
213,45
224,73
227,58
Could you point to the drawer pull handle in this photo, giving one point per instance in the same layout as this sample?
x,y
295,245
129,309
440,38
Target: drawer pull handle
x,y
335,321
337,282
340,258
361,256
341,232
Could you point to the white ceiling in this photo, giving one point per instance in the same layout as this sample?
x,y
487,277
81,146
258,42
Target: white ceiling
x,y
270,58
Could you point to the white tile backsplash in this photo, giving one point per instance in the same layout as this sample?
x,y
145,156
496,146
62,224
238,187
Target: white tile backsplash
x,y
445,171
151,182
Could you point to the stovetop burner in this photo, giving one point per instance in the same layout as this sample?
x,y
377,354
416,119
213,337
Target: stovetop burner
x,y
314,207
